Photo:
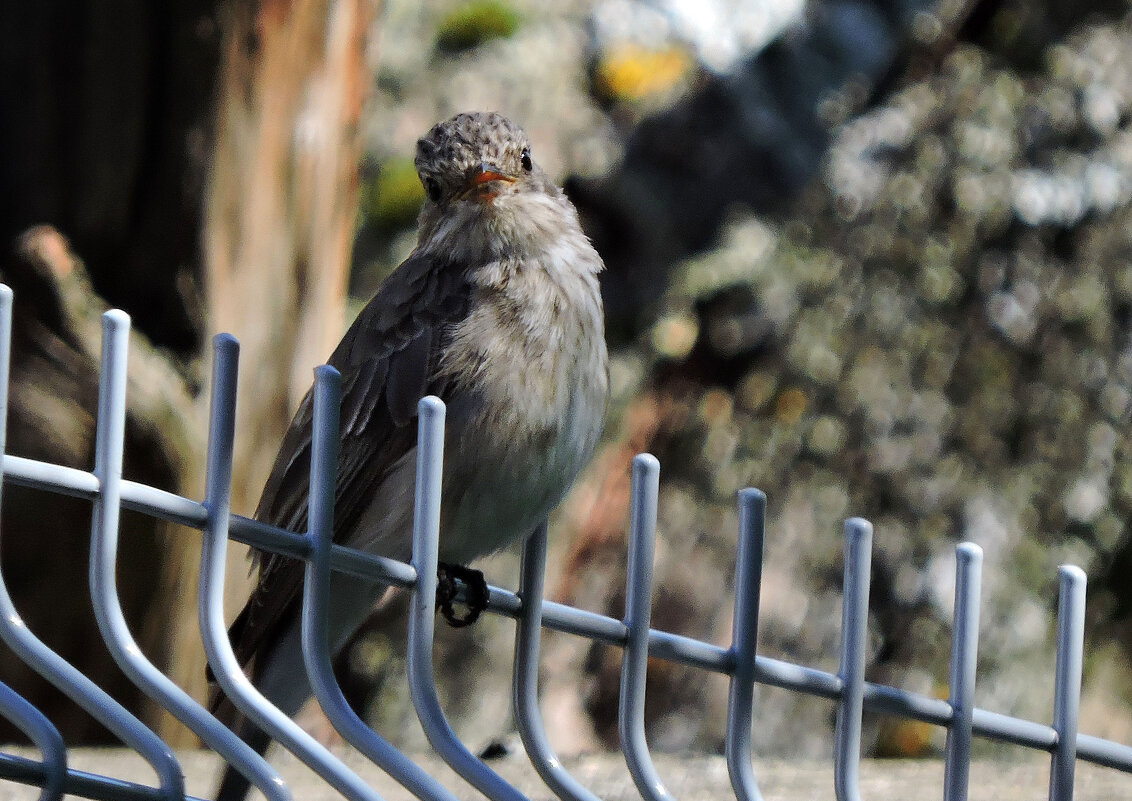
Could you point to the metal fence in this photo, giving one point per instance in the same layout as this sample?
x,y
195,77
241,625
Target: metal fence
x,y
847,689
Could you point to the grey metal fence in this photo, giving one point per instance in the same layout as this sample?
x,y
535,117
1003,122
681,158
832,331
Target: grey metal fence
x,y
847,689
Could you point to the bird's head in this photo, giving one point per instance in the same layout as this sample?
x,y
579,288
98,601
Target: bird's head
x,y
478,158
486,196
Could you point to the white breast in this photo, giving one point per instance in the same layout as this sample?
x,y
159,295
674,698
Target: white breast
x,y
532,352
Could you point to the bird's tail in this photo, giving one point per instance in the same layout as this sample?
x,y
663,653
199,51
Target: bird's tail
x,y
234,785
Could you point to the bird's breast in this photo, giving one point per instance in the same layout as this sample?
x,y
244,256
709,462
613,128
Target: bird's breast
x,y
530,364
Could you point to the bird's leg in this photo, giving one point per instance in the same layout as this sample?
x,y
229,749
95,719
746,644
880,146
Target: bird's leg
x,y
448,580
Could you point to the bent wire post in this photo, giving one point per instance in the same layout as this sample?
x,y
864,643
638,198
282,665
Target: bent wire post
x,y
316,594
422,605
638,602
1067,679
44,736
217,503
854,631
744,640
238,688
524,695
13,706
961,677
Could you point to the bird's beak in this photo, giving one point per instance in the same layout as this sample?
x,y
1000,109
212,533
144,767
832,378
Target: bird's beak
x,y
482,186
485,176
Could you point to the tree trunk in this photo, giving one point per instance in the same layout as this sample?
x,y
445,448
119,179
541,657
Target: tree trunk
x,y
280,204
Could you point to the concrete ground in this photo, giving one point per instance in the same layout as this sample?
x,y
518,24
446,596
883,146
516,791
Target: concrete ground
x,y
687,778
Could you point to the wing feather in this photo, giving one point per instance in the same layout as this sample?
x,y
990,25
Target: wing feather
x,y
388,360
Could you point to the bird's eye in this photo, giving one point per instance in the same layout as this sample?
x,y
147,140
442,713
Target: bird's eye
x,y
525,159
432,186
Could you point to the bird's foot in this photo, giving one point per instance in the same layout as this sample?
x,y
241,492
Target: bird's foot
x,y
447,591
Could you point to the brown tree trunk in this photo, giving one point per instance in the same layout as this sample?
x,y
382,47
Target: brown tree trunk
x,y
280,204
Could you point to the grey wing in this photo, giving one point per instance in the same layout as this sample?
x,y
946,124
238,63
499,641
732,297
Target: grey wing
x,y
388,361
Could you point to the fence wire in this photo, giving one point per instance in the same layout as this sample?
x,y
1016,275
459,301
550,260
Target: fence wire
x,y
847,689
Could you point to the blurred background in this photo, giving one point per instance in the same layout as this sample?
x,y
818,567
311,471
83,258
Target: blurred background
x,y
871,256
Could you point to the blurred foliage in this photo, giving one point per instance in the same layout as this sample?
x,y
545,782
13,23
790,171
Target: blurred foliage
x,y
937,338
473,23
391,199
873,272
629,72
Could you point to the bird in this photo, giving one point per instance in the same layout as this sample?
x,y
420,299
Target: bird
x,y
497,311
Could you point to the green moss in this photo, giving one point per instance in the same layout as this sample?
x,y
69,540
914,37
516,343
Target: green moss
x,y
471,24
391,199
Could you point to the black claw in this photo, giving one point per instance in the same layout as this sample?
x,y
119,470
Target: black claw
x,y
448,581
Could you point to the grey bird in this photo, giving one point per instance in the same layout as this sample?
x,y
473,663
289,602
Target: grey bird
x,y
498,312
